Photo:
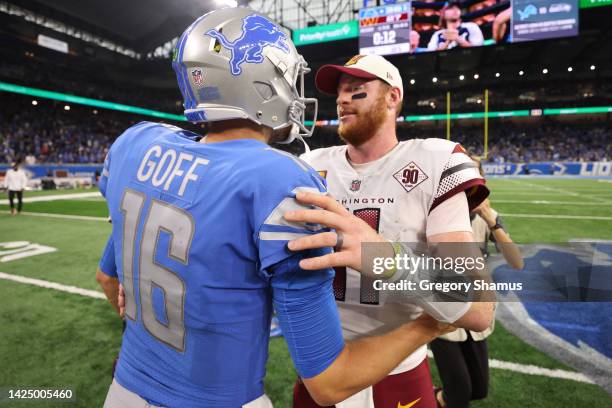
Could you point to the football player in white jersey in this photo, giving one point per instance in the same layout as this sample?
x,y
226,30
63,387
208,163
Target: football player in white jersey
x,y
419,190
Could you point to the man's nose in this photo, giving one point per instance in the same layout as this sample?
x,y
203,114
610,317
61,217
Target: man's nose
x,y
343,98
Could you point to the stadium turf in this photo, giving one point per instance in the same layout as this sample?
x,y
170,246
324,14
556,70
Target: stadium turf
x,y
56,339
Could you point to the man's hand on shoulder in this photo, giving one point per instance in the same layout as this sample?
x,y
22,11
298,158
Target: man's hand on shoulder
x,y
350,233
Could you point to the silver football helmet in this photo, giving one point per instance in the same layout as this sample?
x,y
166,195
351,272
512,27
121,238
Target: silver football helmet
x,y
234,63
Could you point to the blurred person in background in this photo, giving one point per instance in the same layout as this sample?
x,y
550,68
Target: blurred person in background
x,y
501,26
462,356
453,32
415,39
15,182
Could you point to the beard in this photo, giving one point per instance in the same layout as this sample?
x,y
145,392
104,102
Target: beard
x,y
366,125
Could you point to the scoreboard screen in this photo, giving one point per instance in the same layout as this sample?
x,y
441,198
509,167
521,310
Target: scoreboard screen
x,y
385,30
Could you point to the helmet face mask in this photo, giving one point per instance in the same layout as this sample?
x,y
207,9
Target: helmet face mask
x,y
236,64
297,108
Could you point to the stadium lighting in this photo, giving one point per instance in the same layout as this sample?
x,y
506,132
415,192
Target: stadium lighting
x,y
497,75
479,101
592,67
570,69
434,80
57,96
67,107
412,81
95,112
521,72
461,77
34,102
476,76
545,71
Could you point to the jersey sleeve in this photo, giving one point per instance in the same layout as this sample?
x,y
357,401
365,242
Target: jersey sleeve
x,y
107,262
273,232
476,38
460,173
450,216
433,42
307,313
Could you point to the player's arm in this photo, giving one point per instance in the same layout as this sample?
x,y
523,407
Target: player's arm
x,y
331,369
106,274
452,217
367,361
498,234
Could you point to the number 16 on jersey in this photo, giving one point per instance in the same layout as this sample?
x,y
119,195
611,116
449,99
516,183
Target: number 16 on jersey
x,y
146,273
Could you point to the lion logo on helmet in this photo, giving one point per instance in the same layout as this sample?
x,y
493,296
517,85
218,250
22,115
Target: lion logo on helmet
x,y
257,33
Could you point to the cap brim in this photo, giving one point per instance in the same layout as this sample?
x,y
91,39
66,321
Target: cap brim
x,y
328,76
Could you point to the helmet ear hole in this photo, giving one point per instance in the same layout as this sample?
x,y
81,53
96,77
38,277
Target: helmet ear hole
x,y
265,91
217,44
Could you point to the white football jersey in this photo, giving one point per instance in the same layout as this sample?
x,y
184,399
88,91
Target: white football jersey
x,y
394,195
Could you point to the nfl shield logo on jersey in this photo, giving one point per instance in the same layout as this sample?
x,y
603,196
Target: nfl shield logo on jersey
x,y
355,185
410,176
197,77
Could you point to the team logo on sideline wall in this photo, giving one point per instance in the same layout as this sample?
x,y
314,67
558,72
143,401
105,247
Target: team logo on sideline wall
x,y
410,176
257,33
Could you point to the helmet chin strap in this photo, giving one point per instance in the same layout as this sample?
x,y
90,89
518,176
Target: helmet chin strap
x,y
295,134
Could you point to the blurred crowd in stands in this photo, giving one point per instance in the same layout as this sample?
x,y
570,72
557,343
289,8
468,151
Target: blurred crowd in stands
x,y
544,142
48,133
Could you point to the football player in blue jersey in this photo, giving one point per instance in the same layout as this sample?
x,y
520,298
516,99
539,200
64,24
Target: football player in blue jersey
x,y
199,240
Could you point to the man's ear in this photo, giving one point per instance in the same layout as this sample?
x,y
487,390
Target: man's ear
x,y
393,99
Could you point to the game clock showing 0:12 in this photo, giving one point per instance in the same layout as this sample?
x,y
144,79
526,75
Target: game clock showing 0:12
x,y
385,30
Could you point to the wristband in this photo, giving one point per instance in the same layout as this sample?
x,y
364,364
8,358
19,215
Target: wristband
x,y
496,226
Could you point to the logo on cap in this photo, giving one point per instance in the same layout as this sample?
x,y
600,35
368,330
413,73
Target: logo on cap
x,y
354,60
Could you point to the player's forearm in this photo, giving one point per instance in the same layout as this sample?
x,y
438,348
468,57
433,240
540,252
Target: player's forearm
x,y
478,318
510,251
110,287
365,362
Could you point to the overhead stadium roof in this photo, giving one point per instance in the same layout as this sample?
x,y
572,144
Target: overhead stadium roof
x,y
140,26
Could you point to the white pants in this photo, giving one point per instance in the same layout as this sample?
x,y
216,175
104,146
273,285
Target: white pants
x,y
120,397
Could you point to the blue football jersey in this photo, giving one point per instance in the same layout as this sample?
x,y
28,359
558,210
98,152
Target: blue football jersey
x,y
199,244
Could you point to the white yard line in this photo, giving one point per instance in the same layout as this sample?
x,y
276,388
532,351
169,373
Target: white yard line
x,y
535,370
52,285
561,191
558,216
504,365
61,216
55,197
